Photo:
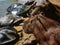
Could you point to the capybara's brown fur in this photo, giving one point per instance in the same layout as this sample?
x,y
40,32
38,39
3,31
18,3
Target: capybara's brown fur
x,y
44,29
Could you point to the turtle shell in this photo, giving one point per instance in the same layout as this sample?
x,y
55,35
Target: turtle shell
x,y
6,20
10,20
7,35
17,9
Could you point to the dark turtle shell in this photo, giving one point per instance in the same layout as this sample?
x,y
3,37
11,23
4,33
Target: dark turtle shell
x,y
10,20
17,9
7,35
6,20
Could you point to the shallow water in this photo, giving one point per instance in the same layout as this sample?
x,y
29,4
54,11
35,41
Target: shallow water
x,y
4,5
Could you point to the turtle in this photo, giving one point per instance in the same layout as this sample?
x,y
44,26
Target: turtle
x,y
19,10
9,20
6,20
8,35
